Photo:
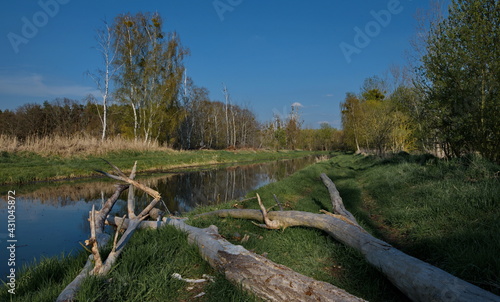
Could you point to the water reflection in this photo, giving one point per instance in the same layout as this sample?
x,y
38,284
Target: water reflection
x,y
53,218
186,191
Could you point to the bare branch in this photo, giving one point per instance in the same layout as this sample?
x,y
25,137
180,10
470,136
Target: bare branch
x,y
131,195
278,202
118,232
120,173
93,241
269,224
337,203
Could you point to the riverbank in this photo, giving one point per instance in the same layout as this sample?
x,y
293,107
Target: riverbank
x,y
443,212
25,166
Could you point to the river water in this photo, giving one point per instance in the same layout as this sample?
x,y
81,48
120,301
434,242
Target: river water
x,y
51,218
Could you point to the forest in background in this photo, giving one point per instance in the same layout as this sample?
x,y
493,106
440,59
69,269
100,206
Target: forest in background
x,y
200,126
446,101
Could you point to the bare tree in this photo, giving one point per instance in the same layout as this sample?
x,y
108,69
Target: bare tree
x,y
226,97
103,77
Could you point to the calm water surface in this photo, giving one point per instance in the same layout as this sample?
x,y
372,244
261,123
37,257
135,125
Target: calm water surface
x,y
52,218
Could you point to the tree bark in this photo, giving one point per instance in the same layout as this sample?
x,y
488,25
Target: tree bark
x,y
267,280
417,279
255,273
69,292
95,264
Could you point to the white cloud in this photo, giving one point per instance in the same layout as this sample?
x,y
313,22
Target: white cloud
x,y
35,85
297,104
329,95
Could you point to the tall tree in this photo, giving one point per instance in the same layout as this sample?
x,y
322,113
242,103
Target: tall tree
x,y
151,73
377,121
352,121
293,126
103,77
460,76
227,99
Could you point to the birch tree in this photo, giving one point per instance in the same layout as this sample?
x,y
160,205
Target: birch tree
x,y
151,73
103,77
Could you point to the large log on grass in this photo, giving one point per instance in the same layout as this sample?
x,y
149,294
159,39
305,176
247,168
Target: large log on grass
x,y
417,279
267,280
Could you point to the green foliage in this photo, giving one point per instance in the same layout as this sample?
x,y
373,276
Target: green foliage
x,y
144,272
150,74
376,124
460,75
325,138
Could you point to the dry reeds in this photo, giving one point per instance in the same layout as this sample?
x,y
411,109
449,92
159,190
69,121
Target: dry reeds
x,y
78,145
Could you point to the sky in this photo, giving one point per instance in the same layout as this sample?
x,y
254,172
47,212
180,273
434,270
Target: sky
x,y
269,54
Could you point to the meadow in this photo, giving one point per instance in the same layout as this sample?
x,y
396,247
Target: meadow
x,y
56,158
443,212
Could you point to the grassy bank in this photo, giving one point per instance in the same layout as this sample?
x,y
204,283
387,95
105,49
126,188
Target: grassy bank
x,y
445,213
22,164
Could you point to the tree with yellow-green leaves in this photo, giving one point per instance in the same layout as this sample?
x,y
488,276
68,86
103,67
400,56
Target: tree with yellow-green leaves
x,y
374,123
150,74
352,119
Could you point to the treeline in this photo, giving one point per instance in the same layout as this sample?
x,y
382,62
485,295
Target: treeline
x,y
450,103
202,124
146,95
61,117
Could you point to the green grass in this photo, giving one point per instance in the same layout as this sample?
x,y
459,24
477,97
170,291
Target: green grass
x,y
143,273
446,213
443,212
309,251
145,269
45,280
24,167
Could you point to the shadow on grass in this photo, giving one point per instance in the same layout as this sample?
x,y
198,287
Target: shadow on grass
x,y
465,253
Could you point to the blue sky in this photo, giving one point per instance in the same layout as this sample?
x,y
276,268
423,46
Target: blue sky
x,y
270,54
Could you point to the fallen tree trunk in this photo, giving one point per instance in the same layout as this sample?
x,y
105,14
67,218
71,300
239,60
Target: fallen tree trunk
x,y
417,279
255,273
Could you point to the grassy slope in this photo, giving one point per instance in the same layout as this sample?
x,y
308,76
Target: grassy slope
x,y
22,167
446,213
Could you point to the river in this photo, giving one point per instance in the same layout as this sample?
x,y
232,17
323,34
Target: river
x,y
51,217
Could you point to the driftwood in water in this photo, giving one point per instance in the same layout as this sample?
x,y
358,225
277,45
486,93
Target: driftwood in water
x,y
418,280
255,273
